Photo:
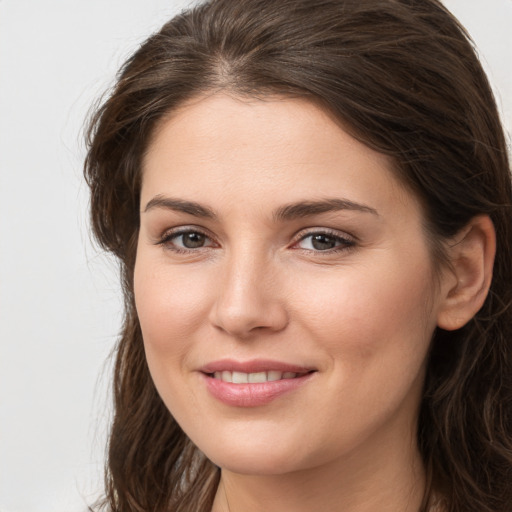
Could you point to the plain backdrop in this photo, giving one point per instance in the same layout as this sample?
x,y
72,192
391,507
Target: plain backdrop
x,y
60,306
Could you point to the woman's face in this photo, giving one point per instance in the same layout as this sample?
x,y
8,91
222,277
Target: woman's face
x,y
284,286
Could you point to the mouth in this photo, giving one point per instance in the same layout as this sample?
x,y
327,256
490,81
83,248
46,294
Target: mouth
x,y
256,377
253,383
254,371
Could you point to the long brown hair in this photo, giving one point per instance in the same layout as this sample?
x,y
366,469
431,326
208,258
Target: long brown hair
x,y
403,77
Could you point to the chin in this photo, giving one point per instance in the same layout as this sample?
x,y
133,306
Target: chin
x,y
255,458
256,464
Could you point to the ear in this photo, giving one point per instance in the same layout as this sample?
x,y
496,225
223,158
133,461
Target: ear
x,y
467,280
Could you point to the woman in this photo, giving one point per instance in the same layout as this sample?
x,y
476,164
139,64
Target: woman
x,y
310,202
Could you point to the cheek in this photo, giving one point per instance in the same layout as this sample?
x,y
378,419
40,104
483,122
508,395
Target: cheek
x,y
376,330
170,305
368,317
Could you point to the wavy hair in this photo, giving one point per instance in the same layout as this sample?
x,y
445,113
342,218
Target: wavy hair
x,y
403,77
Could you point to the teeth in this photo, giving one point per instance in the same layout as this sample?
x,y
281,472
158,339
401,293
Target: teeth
x,y
273,375
258,377
240,378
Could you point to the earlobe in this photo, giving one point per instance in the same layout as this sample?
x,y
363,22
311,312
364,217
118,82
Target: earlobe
x,y
471,255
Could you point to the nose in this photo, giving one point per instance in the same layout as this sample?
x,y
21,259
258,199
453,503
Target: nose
x,y
248,300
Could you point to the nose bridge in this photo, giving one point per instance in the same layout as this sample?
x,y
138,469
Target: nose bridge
x,y
248,296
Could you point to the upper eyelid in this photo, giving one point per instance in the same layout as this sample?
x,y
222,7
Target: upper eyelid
x,y
346,241
328,231
170,233
185,229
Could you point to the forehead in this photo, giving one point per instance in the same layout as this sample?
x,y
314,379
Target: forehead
x,y
223,148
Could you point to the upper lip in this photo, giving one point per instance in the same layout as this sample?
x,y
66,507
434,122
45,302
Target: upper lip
x,y
253,366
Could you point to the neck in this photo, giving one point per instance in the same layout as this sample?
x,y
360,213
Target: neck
x,y
386,476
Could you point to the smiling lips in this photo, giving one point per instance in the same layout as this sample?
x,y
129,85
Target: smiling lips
x,y
253,378
253,383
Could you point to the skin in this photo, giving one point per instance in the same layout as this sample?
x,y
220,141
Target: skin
x,y
361,314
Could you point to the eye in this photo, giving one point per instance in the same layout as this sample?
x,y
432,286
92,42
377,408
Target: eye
x,y
322,241
186,240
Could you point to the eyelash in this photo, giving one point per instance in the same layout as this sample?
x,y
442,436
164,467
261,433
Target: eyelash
x,y
345,242
167,240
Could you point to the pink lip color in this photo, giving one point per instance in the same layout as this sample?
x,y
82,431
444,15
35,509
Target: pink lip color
x,y
252,394
254,366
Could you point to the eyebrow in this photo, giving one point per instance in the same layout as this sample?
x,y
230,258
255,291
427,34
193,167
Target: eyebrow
x,y
309,208
290,211
179,205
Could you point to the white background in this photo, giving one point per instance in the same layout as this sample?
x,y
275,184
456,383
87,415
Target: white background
x,y
59,297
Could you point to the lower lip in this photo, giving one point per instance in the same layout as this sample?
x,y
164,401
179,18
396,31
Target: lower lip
x,y
252,395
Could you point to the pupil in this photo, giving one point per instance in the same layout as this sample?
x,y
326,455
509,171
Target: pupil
x,y
193,240
323,242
